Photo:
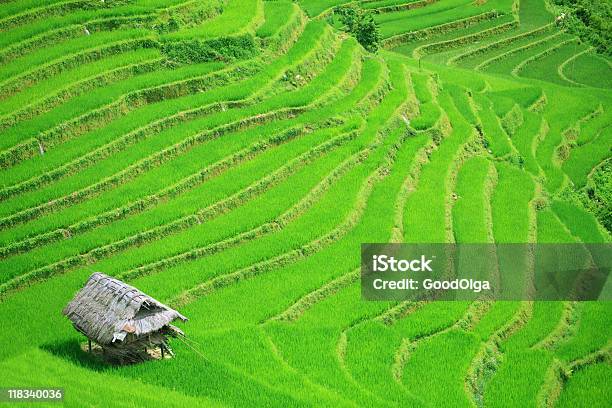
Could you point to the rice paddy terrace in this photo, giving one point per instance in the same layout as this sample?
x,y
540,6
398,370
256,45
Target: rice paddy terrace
x,y
237,181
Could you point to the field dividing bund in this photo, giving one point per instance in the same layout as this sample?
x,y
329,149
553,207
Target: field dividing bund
x,y
497,141
248,292
20,77
229,158
427,209
349,219
314,258
183,113
399,33
550,153
488,53
312,91
26,105
180,224
507,62
75,259
176,97
154,95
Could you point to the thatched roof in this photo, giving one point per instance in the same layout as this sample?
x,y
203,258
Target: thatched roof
x,y
107,310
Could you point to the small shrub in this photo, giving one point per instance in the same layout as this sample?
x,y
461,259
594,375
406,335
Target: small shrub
x,y
360,23
218,49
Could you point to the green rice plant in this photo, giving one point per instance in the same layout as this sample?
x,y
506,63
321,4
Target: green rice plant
x,y
375,4
429,114
369,133
497,316
237,17
316,7
534,19
534,13
82,106
551,229
450,46
583,159
496,49
14,8
43,369
213,195
371,366
524,97
319,267
517,56
589,69
420,84
526,139
277,14
519,379
591,334
240,193
30,15
329,78
43,63
580,223
496,138
26,38
471,218
593,128
436,14
510,204
463,103
300,98
547,68
77,81
501,104
187,204
548,154
162,114
587,386
180,224
426,209
452,35
452,350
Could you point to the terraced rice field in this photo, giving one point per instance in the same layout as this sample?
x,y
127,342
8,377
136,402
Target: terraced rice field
x,y
238,188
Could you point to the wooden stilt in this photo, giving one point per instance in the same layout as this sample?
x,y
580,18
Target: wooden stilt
x,y
89,345
161,348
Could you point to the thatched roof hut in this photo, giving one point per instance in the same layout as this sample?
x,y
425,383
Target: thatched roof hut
x,y
121,319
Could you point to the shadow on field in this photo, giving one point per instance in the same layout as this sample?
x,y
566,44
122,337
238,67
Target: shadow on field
x,y
72,351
